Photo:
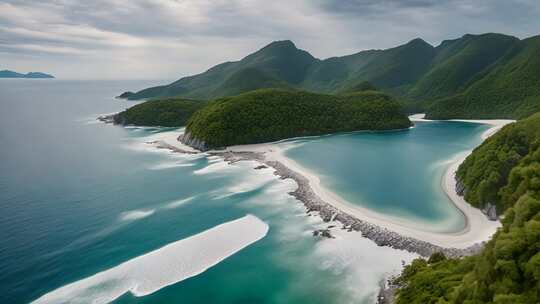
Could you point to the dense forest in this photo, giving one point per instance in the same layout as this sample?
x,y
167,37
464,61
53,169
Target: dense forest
x,y
485,172
508,269
474,76
273,114
168,112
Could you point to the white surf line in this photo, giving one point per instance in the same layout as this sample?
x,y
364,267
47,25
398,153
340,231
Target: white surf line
x,y
138,214
165,266
479,228
178,203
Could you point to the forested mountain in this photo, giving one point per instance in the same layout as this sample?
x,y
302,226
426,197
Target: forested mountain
x,y
458,62
505,169
279,64
475,76
509,89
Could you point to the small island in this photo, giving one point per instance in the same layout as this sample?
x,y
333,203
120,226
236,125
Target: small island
x,y
33,75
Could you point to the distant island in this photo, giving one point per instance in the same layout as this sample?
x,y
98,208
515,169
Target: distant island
x,y
12,74
475,76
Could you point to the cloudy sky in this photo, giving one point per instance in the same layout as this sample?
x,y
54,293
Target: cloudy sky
x,y
166,39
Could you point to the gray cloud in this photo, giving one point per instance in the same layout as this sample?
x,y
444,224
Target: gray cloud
x,y
169,39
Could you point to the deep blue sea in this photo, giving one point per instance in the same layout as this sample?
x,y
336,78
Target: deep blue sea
x,y
79,197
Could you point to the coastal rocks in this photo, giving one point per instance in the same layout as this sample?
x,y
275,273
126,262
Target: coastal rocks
x,y
260,167
107,118
189,140
490,210
163,145
387,292
323,233
115,118
125,95
460,187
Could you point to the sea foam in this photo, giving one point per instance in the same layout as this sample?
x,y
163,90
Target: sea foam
x,y
165,266
178,203
135,214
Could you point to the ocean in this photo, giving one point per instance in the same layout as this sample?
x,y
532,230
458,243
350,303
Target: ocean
x,y
91,213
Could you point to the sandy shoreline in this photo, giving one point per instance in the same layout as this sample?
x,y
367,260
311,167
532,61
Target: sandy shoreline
x,y
381,228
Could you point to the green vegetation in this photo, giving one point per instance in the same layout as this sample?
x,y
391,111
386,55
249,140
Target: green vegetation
x,y
485,172
458,62
508,268
279,64
511,88
171,112
273,114
475,76
360,87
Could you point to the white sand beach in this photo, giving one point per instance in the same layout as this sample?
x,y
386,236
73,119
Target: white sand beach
x,y
478,227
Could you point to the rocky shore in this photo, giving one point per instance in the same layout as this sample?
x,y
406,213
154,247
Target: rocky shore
x,y
381,236
490,210
189,140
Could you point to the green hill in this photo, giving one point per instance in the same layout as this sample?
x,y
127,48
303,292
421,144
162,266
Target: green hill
x,y
506,168
511,89
458,62
273,114
172,112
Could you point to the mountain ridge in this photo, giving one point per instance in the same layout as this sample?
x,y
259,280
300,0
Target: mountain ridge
x,y
440,79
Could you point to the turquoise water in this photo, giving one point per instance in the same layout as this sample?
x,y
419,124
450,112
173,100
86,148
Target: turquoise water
x,y
393,173
79,197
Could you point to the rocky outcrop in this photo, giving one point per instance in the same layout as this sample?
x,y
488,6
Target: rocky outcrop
x,y
125,95
107,118
323,233
490,210
189,140
460,187
387,292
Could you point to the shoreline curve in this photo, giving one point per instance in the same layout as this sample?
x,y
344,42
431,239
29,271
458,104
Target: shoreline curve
x,y
380,228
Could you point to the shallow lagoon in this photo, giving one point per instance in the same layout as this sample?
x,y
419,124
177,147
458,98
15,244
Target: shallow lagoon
x,y
393,173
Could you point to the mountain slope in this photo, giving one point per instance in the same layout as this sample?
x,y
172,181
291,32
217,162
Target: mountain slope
x,y
397,67
509,90
279,63
458,61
